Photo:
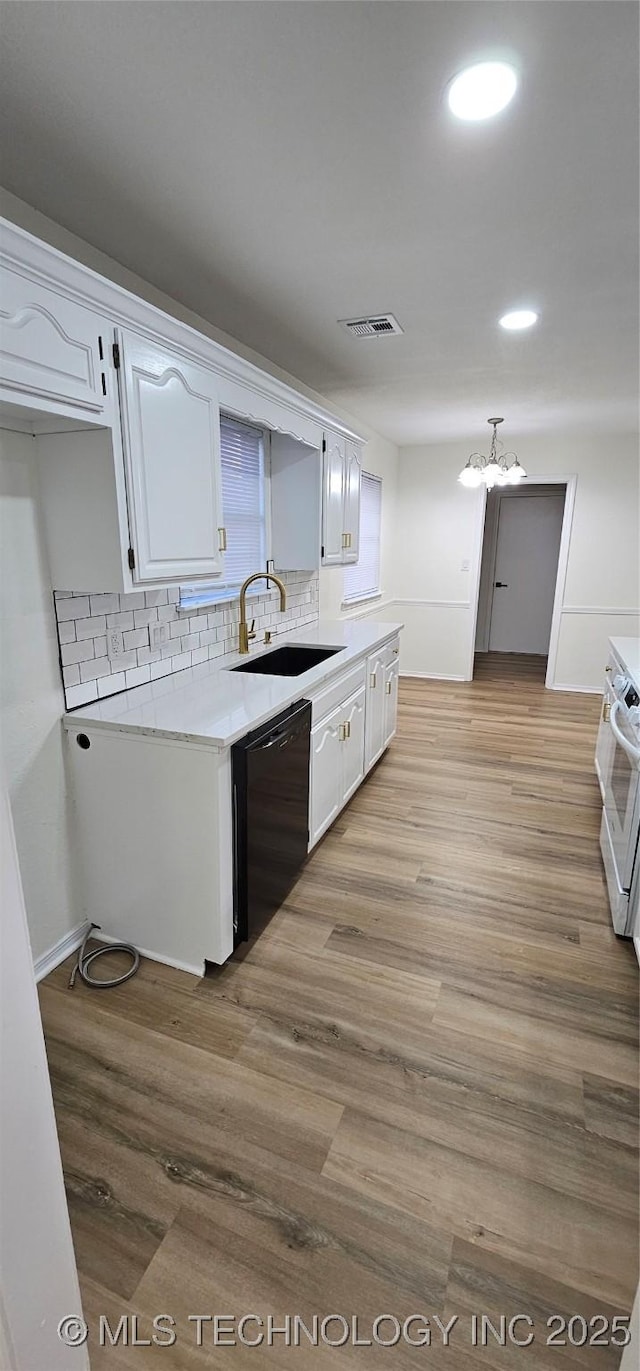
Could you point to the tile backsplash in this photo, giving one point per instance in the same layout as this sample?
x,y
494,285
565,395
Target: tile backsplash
x,y
111,642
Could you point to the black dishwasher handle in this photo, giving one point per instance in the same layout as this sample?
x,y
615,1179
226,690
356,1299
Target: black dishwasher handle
x,y
274,738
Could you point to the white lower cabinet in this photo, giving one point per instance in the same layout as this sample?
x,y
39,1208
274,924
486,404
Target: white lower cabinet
x,y
382,701
374,732
337,762
390,700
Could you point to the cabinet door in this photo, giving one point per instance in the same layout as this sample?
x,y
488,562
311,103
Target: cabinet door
x,y
171,431
333,474
374,725
326,782
353,751
352,478
390,702
50,347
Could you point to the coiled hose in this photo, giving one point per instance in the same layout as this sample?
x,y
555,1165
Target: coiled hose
x,y
85,960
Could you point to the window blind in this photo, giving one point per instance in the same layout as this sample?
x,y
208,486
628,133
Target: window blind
x,y
243,515
363,579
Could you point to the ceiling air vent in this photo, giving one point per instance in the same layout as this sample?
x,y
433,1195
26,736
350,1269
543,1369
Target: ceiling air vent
x,y
374,326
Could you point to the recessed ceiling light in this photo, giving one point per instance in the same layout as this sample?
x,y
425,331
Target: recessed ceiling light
x,y
483,90
519,318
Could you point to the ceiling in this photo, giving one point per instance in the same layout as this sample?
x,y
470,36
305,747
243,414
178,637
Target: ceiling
x,y
279,166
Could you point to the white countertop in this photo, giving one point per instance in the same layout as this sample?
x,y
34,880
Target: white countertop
x,y
627,651
212,704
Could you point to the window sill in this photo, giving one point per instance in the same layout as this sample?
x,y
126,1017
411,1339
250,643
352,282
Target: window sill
x,y
361,600
222,595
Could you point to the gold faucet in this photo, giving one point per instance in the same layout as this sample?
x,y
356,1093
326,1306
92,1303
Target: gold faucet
x,y
245,632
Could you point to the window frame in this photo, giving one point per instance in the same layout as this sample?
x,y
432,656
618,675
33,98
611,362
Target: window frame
x,y
361,597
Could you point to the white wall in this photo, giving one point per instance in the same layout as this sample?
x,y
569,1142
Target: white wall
x,y
31,702
439,528
38,1277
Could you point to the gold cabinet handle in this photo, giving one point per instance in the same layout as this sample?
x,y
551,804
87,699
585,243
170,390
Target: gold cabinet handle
x,y
342,732
348,536
344,540
606,711
388,687
372,680
222,540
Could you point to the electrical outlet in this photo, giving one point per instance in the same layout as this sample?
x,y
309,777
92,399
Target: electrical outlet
x,y
159,634
115,643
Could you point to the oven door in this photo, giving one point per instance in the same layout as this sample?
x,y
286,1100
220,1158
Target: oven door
x,y
605,743
619,761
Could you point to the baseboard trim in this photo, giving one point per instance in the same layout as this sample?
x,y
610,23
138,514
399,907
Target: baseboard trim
x,y
60,950
576,689
431,676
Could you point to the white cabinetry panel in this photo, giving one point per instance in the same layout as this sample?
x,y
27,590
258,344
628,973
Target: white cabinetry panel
x,y
326,773
49,348
171,432
390,701
352,481
333,500
374,739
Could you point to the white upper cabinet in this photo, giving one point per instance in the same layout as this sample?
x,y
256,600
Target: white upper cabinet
x,y
51,349
342,467
352,480
171,438
333,473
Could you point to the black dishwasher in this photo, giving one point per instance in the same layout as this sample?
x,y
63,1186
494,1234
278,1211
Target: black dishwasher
x,y
270,779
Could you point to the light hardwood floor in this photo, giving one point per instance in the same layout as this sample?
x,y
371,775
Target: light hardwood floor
x,y
415,1093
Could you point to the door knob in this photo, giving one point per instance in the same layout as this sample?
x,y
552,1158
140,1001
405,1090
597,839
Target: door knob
x,y
502,584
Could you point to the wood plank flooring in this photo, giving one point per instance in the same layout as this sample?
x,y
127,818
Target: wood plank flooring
x,y
415,1093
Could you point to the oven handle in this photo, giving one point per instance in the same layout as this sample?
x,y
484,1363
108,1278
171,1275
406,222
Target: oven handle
x,y
631,751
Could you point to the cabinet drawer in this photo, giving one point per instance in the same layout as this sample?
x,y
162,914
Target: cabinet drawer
x,y
333,695
390,652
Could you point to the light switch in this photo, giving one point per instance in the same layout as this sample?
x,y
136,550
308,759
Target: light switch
x,y
464,566
158,634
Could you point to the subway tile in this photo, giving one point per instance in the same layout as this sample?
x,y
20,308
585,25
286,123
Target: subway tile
x,y
155,597
173,595
166,613
171,649
67,632
215,650
76,608
63,594
71,675
121,621
94,627
133,600
138,676
81,694
143,617
182,661
158,669
104,604
90,671
190,641
124,661
76,652
200,654
146,655
109,685
138,637
209,636
100,647
176,628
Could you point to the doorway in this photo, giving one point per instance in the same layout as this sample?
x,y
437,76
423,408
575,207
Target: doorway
x,y
519,572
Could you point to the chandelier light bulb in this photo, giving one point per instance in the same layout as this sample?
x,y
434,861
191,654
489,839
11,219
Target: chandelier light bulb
x,y
495,470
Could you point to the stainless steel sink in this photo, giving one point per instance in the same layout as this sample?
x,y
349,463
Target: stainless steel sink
x,y
293,660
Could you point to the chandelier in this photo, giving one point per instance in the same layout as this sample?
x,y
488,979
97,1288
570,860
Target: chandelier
x,y
500,468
